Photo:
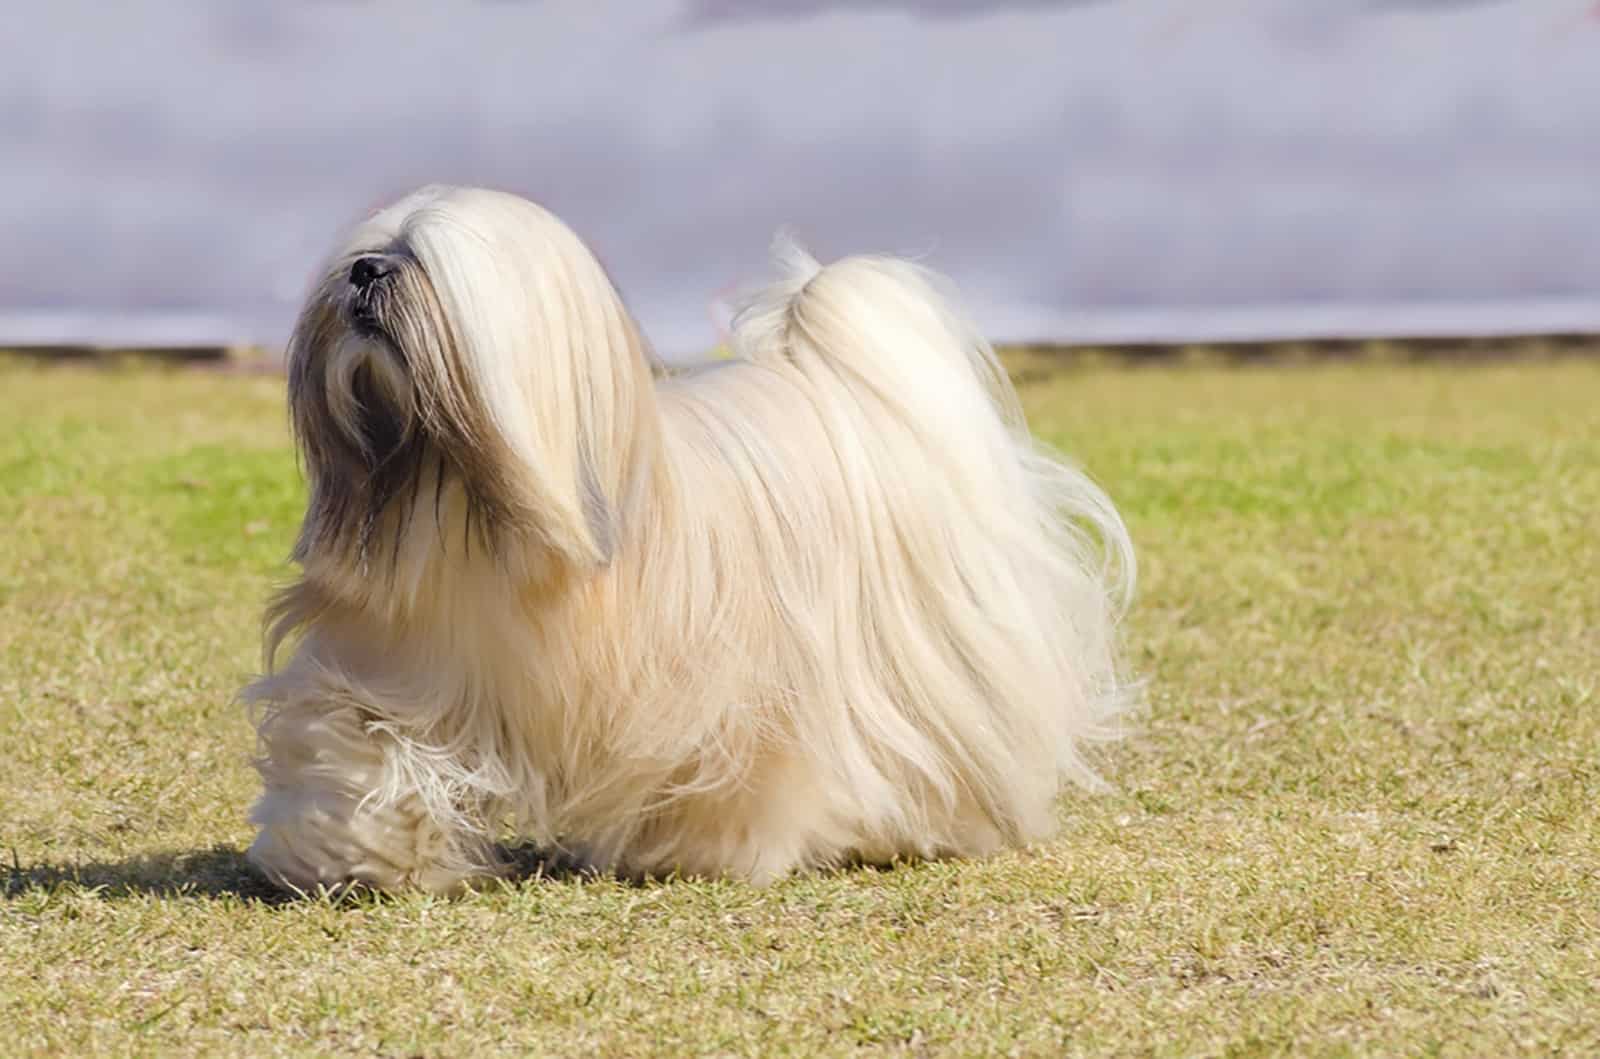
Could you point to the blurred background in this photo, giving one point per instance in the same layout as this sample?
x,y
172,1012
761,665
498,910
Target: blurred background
x,y
1089,172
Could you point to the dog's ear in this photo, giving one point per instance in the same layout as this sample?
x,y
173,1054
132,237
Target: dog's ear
x,y
539,385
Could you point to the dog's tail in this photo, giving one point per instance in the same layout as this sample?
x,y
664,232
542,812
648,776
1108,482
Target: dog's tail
x,y
1000,529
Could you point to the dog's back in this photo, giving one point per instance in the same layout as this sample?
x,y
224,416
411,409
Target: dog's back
x,y
918,602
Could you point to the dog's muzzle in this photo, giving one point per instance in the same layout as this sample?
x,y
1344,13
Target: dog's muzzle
x,y
367,276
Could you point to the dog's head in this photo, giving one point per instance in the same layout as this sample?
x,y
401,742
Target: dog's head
x,y
467,342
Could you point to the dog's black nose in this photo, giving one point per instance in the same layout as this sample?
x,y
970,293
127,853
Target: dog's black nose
x,y
368,270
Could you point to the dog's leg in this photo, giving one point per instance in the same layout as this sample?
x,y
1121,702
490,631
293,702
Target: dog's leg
x,y
327,820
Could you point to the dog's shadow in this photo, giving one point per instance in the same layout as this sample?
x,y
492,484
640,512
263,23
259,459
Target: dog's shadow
x,y
218,873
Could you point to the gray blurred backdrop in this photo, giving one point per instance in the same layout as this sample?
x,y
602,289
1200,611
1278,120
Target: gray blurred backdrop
x,y
1122,169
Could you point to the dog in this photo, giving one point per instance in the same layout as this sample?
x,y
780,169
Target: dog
x,y
822,602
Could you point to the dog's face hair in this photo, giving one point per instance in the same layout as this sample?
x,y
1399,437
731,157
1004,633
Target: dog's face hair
x,y
394,391
375,400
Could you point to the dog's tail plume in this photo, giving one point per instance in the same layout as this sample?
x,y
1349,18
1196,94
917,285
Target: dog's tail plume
x,y
893,327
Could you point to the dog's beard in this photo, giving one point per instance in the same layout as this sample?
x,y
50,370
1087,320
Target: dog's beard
x,y
378,410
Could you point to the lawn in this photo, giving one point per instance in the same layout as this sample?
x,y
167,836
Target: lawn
x,y
1360,815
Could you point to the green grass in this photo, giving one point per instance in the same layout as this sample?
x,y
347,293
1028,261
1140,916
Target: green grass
x,y
1361,816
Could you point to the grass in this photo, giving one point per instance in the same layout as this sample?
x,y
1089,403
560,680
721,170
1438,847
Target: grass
x,y
1360,817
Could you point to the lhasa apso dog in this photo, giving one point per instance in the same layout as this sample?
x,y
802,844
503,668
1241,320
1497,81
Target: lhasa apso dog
x,y
819,603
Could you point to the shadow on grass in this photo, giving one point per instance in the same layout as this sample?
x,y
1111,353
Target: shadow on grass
x,y
220,873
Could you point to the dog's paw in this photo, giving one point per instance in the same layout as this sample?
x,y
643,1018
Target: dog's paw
x,y
310,842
